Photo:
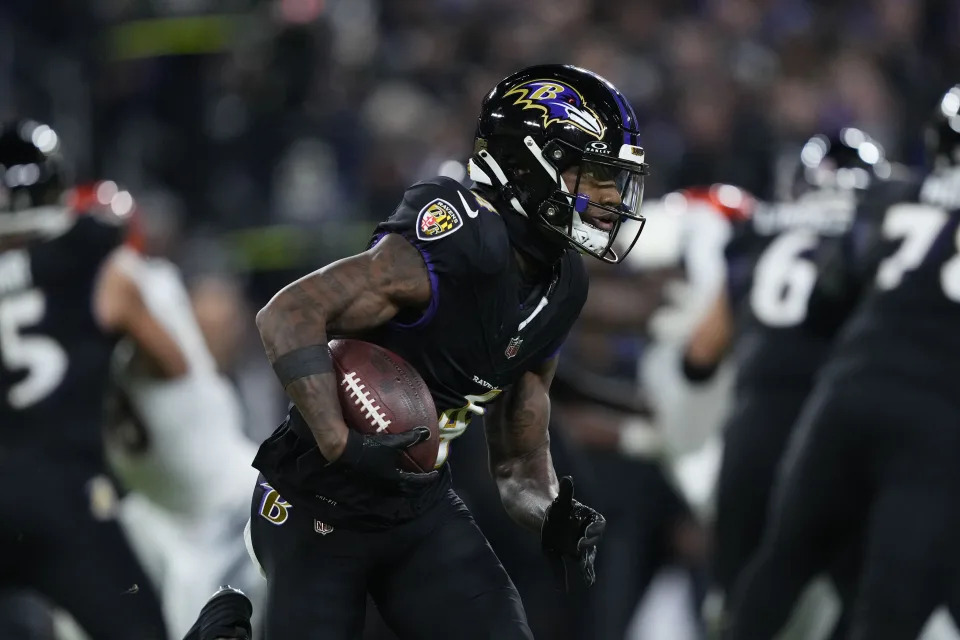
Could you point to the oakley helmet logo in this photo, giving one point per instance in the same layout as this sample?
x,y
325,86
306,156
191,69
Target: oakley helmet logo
x,y
558,102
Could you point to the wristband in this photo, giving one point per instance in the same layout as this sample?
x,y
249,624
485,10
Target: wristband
x,y
302,362
698,373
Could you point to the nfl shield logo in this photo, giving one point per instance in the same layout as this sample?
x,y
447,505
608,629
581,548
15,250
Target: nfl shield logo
x,y
322,527
513,347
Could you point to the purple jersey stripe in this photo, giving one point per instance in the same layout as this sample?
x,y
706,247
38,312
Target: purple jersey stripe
x,y
434,287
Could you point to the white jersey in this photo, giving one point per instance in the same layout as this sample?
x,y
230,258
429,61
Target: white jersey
x,y
198,459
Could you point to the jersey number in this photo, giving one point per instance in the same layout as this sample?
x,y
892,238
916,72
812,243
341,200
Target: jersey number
x,y
784,279
44,360
917,225
453,422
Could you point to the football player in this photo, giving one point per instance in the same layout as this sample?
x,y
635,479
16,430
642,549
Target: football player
x,y
477,288
64,300
873,465
761,316
183,515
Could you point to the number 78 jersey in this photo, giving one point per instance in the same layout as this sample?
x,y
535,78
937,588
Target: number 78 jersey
x,y
903,253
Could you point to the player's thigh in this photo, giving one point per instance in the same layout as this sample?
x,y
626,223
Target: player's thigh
x,y
907,570
90,570
316,583
812,509
911,557
820,488
755,437
450,584
24,616
153,533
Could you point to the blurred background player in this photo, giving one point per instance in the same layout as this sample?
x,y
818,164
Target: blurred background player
x,y
184,515
639,428
64,301
760,316
872,471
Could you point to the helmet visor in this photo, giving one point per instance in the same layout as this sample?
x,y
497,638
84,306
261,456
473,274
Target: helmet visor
x,y
608,191
612,186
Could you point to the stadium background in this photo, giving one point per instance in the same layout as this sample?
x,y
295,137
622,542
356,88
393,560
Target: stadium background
x,y
264,139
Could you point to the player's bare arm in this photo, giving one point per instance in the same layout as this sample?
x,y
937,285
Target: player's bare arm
x,y
119,306
713,336
348,296
519,444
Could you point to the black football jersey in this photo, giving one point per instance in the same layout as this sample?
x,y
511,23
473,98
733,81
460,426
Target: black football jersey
x,y
483,328
771,273
54,359
902,256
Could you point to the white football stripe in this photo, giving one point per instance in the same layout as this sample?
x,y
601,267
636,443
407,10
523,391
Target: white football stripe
x,y
371,411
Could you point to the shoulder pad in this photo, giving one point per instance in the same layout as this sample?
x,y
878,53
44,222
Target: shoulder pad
x,y
455,229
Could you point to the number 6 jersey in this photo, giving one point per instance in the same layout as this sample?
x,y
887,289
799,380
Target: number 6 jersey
x,y
54,359
771,272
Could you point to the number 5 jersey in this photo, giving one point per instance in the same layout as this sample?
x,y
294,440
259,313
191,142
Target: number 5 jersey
x,y
54,358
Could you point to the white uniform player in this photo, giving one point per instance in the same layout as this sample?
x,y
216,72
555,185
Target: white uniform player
x,y
690,229
190,485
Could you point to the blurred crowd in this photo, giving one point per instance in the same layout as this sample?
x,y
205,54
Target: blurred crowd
x,y
255,112
262,139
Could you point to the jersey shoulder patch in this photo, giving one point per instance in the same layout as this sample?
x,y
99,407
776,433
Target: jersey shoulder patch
x,y
438,218
456,232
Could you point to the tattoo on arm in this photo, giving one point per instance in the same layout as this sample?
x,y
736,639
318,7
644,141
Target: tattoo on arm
x,y
519,444
350,295
353,294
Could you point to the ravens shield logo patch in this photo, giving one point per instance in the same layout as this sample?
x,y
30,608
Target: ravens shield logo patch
x,y
437,219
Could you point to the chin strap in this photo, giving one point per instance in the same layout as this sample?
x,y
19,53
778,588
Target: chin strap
x,y
479,169
484,169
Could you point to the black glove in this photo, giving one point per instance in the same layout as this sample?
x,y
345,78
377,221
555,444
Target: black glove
x,y
226,615
571,530
378,456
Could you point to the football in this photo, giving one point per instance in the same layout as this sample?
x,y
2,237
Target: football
x,y
381,392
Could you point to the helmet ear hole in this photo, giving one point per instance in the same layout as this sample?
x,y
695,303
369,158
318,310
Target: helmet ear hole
x,y
552,213
559,155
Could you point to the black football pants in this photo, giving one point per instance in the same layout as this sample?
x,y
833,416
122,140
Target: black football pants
x,y
434,577
25,616
56,537
872,467
754,438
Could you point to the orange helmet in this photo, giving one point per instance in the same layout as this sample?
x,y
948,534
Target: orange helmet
x,y
108,202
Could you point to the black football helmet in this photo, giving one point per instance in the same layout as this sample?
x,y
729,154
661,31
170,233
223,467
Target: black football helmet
x,y
541,121
33,180
942,134
846,160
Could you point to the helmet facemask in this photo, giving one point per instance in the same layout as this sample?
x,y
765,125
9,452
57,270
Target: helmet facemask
x,y
564,208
